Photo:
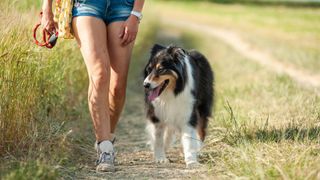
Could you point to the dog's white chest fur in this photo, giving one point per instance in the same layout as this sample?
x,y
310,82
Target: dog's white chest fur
x,y
176,110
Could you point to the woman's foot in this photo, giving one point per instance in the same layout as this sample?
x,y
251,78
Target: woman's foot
x,y
106,157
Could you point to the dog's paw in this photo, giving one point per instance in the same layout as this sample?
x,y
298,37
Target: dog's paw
x,y
194,165
162,160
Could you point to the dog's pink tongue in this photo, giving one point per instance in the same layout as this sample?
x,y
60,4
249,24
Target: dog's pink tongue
x,y
154,94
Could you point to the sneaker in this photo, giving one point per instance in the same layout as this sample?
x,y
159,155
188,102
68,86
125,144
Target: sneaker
x,y
106,157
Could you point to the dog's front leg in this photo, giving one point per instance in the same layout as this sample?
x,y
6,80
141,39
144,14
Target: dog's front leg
x,y
158,148
191,146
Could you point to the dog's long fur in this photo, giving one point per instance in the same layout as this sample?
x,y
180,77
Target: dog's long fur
x,y
179,98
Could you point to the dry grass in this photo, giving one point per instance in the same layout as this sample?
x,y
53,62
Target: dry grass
x,y
275,29
43,99
41,90
265,127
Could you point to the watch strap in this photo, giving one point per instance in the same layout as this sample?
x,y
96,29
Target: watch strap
x,y
137,14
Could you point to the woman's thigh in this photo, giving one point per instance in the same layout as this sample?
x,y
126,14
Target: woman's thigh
x,y
91,35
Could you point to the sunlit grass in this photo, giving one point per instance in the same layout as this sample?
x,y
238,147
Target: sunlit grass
x,y
290,34
44,98
265,125
40,93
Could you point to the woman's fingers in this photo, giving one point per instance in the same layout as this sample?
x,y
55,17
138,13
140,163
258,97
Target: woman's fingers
x,y
128,37
125,38
133,37
125,34
126,41
122,32
48,23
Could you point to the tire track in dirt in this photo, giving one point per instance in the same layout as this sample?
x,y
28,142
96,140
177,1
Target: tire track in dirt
x,y
252,53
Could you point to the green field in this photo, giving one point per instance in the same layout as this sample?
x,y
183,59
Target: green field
x,y
276,29
265,125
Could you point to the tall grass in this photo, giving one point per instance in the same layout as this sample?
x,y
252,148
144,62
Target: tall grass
x,y
35,84
43,96
41,91
265,125
21,6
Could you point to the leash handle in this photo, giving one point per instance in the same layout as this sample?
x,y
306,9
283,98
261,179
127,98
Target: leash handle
x,y
46,42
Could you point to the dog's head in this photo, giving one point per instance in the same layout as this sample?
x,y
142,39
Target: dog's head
x,y
165,71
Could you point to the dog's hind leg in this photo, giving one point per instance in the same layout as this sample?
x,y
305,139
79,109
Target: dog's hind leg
x,y
191,145
157,142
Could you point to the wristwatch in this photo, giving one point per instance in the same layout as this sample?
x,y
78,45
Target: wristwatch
x,y
137,14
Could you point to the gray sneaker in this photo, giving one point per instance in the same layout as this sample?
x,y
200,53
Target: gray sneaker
x,y
106,157
105,163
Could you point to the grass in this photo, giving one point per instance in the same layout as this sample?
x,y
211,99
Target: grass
x,y
41,91
265,126
271,125
274,29
43,98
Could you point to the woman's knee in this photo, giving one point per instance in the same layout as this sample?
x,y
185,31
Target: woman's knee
x,y
98,87
100,81
98,66
118,90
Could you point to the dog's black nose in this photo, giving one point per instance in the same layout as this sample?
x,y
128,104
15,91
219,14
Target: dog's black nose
x,y
146,85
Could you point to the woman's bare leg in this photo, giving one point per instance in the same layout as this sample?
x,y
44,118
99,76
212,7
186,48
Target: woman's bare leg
x,y
91,35
119,59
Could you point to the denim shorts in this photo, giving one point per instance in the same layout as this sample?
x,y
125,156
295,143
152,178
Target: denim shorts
x,y
107,10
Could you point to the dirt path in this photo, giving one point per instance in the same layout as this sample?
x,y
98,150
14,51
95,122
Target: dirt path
x,y
134,159
252,53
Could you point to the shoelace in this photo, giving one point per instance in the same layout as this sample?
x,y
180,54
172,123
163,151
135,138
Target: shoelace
x,y
105,157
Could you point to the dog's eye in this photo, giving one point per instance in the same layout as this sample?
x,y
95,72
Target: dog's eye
x,y
161,70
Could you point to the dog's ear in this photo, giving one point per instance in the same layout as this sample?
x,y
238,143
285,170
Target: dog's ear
x,y
156,48
177,53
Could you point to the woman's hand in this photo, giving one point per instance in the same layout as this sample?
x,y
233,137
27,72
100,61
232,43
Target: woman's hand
x,y
129,31
47,21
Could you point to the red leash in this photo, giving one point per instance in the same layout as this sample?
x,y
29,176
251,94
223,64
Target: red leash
x,y
46,42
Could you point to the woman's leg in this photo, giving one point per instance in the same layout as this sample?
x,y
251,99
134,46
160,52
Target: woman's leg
x,y
119,59
91,35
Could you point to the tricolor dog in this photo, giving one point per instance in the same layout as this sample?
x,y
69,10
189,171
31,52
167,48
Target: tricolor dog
x,y
179,98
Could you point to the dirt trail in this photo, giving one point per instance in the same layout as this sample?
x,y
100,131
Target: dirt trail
x,y
134,159
252,53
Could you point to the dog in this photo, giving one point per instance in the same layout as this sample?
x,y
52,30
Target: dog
x,y
179,96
